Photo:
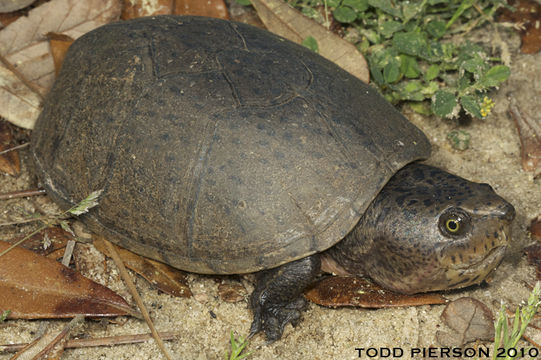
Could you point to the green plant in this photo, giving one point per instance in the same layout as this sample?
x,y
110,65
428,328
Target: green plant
x,y
4,315
416,51
506,340
237,347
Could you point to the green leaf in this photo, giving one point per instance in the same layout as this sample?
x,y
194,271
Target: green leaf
x,y
463,7
391,72
86,204
436,28
388,28
344,14
410,9
420,107
475,65
311,43
471,105
375,71
495,76
409,67
432,72
443,103
385,6
371,35
4,315
411,43
244,2
333,3
357,5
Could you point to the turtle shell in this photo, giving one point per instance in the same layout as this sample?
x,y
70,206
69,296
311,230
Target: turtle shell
x,y
220,147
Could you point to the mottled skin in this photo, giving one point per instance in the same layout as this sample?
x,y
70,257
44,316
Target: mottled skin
x,y
426,230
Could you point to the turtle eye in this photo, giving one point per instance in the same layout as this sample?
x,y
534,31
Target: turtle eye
x,y
454,222
452,225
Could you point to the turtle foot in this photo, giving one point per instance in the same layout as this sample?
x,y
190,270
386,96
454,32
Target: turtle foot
x,y
277,299
272,320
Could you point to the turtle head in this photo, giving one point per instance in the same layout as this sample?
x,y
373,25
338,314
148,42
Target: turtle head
x,y
429,230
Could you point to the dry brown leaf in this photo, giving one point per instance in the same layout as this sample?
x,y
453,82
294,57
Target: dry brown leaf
x,y
533,254
23,44
59,44
164,277
337,291
35,287
9,162
527,17
469,319
244,14
231,292
535,228
210,8
138,8
285,21
529,130
50,242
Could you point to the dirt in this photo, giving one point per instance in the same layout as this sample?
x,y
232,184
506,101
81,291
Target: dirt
x,y
204,322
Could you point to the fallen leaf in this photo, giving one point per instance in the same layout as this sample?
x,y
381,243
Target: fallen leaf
x,y
535,228
9,162
59,44
210,8
35,287
138,8
469,319
50,242
22,44
529,130
244,14
527,17
162,276
354,291
533,253
232,293
282,19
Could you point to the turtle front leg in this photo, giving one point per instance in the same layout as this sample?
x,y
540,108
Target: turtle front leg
x,y
277,298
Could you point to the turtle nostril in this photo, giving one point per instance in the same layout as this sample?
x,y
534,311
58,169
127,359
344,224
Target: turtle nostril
x,y
508,212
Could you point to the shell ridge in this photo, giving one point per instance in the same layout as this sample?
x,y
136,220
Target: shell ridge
x,y
205,147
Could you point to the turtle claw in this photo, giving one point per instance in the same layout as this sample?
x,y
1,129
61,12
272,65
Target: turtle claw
x,y
277,299
273,319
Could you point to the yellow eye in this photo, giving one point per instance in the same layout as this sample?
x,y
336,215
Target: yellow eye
x,y
452,225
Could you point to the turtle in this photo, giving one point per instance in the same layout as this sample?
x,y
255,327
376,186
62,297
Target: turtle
x,y
221,148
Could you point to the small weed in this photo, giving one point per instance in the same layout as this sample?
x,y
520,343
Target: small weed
x,y
411,53
4,315
237,347
506,340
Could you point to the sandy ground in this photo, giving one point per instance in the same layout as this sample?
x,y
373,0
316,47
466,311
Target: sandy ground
x,y
494,157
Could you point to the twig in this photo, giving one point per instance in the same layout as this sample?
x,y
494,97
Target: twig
x,y
68,252
137,298
22,193
21,77
104,341
62,335
25,221
530,340
14,148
